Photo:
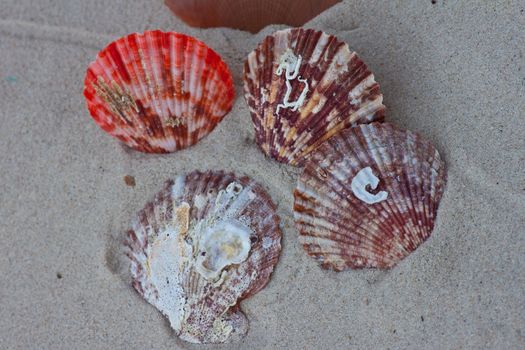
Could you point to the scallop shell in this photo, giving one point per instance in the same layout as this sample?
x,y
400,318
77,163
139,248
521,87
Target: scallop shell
x,y
207,241
158,92
304,86
251,15
368,197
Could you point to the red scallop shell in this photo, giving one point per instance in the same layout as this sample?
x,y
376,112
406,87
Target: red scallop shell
x,y
335,86
202,310
341,230
158,91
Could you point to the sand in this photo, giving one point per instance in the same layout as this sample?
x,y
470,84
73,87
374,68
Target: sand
x,y
454,72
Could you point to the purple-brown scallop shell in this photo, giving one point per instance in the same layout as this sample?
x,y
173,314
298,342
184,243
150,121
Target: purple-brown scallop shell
x,y
304,86
207,241
368,197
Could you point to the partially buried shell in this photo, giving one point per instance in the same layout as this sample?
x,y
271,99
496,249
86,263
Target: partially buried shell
x,y
304,86
252,15
158,92
368,197
207,241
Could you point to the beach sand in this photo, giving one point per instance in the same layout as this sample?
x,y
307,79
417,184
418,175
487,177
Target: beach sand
x,y
453,72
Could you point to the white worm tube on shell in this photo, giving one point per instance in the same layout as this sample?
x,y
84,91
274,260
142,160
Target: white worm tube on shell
x,y
362,179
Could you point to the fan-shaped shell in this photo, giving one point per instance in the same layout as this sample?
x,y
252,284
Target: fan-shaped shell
x,y
304,86
207,241
158,92
251,15
368,197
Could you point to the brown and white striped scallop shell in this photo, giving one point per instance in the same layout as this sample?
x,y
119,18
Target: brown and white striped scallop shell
x,y
206,242
304,86
368,197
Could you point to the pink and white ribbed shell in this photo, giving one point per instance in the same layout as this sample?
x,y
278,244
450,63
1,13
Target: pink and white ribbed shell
x,y
368,197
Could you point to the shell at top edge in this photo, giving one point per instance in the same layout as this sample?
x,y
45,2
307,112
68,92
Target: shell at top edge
x,y
256,14
158,92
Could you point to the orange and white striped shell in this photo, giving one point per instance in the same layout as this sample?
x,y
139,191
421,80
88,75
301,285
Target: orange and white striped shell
x,y
304,86
207,241
158,91
368,197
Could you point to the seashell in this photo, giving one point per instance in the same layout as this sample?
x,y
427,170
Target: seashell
x,y
206,242
302,87
251,15
158,92
368,197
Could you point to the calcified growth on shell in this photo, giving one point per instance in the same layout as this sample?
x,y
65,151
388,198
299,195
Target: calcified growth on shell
x,y
206,242
158,92
304,86
251,15
368,197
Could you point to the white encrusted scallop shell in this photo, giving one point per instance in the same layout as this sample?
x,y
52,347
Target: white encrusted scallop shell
x,y
304,86
207,241
368,197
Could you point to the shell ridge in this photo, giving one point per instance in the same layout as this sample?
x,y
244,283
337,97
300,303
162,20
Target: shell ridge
x,y
153,61
279,43
166,78
148,100
408,193
170,119
436,184
426,186
196,89
300,50
114,56
124,48
188,62
357,149
265,63
177,76
104,85
412,143
399,193
433,183
380,156
315,119
268,68
196,85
